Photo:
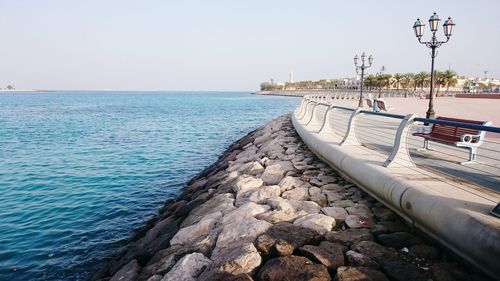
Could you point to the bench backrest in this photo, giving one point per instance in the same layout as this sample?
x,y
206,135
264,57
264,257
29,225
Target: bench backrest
x,y
369,103
456,132
381,105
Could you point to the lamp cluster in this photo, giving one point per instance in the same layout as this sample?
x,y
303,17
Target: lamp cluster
x,y
434,20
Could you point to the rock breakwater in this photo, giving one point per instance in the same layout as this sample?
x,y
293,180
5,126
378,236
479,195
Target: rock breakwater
x,y
268,209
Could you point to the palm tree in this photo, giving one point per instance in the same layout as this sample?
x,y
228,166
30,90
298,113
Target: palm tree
x,y
450,79
438,80
407,82
397,78
420,79
370,81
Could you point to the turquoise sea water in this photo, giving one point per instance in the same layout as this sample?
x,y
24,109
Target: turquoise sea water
x,y
80,170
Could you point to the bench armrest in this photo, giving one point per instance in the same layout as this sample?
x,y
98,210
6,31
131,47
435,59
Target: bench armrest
x,y
424,129
469,138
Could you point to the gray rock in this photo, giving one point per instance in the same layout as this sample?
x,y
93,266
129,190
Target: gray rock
x,y
318,222
129,272
188,268
333,196
283,239
260,139
282,210
219,203
339,214
241,231
298,193
273,150
319,199
375,251
237,257
327,179
288,183
349,236
258,195
276,171
384,214
328,254
292,268
196,231
359,274
343,203
155,278
359,210
247,210
353,221
316,182
252,168
313,190
358,259
388,227
333,187
245,183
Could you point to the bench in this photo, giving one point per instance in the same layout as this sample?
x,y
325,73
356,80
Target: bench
x,y
466,138
369,103
381,105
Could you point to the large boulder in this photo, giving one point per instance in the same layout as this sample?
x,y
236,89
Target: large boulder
x,y
349,236
357,259
328,254
290,182
276,171
129,272
236,258
298,193
194,232
281,210
283,239
317,222
339,214
252,168
292,268
375,251
223,203
188,268
359,210
243,212
258,195
245,183
241,231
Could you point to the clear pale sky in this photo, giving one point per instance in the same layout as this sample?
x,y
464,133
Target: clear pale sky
x,y
230,44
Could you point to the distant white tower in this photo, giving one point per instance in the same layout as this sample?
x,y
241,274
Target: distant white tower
x,y
291,76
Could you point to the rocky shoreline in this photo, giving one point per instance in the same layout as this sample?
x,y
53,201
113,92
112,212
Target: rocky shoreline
x,y
268,209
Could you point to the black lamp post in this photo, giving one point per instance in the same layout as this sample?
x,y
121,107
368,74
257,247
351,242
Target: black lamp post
x,y
433,44
363,66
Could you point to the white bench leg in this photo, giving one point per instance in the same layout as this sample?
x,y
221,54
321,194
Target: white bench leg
x,y
472,156
425,146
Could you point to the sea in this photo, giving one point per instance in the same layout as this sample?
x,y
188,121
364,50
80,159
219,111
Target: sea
x,y
80,171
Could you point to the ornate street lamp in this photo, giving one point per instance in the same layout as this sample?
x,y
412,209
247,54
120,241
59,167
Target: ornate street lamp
x,y
433,44
363,66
